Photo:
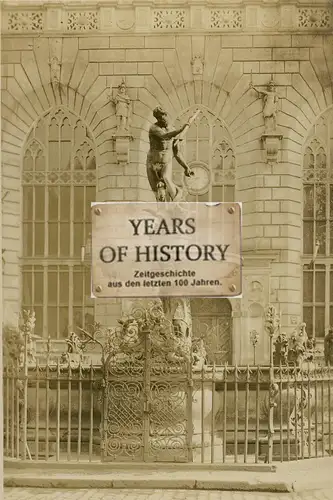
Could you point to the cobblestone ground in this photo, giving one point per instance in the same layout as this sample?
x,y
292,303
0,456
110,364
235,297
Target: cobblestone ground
x,y
94,494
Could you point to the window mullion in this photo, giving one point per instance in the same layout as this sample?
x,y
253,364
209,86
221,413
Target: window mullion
x,y
45,300
327,295
58,301
33,225
70,296
46,223
33,274
46,264
71,221
59,222
85,221
83,281
314,301
327,216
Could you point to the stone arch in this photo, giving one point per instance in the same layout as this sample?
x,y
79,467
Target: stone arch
x,y
314,123
20,111
58,185
212,321
308,95
173,86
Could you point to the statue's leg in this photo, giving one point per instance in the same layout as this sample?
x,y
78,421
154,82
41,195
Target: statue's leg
x,y
166,174
152,177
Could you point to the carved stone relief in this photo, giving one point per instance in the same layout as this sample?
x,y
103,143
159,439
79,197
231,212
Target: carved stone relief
x,y
315,18
270,18
271,138
25,21
122,103
255,291
84,20
226,18
197,64
55,68
169,19
125,19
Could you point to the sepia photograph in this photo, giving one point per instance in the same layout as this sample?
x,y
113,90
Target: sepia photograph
x,y
167,249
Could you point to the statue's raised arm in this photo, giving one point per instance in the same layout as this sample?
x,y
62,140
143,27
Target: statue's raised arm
x,y
259,92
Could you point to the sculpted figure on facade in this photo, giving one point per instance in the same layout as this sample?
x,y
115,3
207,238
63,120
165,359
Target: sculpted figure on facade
x,y
123,103
271,101
165,143
55,67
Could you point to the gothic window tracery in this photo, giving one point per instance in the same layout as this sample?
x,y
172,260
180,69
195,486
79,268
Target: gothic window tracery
x,y
59,183
209,151
318,227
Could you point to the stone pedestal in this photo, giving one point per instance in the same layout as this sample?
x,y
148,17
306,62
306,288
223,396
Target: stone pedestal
x,y
122,145
272,143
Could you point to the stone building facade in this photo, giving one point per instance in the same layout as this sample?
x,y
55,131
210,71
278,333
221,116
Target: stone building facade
x,y
62,147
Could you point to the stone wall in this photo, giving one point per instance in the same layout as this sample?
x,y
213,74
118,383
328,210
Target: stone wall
x,y
153,50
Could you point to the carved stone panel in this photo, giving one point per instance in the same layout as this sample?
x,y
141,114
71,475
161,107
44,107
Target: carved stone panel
x,y
270,18
272,144
23,21
256,290
166,19
82,21
315,18
226,19
125,19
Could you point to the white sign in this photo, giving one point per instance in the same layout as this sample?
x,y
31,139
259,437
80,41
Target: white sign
x,y
166,249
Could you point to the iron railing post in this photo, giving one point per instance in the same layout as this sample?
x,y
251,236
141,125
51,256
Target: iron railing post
x,y
25,396
146,396
272,324
105,409
189,408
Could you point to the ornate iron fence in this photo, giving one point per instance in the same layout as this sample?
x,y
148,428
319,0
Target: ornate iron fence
x,y
152,399
77,414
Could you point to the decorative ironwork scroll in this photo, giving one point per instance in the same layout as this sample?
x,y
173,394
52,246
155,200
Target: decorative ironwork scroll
x,y
147,389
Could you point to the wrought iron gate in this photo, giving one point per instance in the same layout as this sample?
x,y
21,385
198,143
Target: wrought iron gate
x,y
148,393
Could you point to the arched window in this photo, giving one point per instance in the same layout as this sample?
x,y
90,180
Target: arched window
x,y
318,228
208,150
59,183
